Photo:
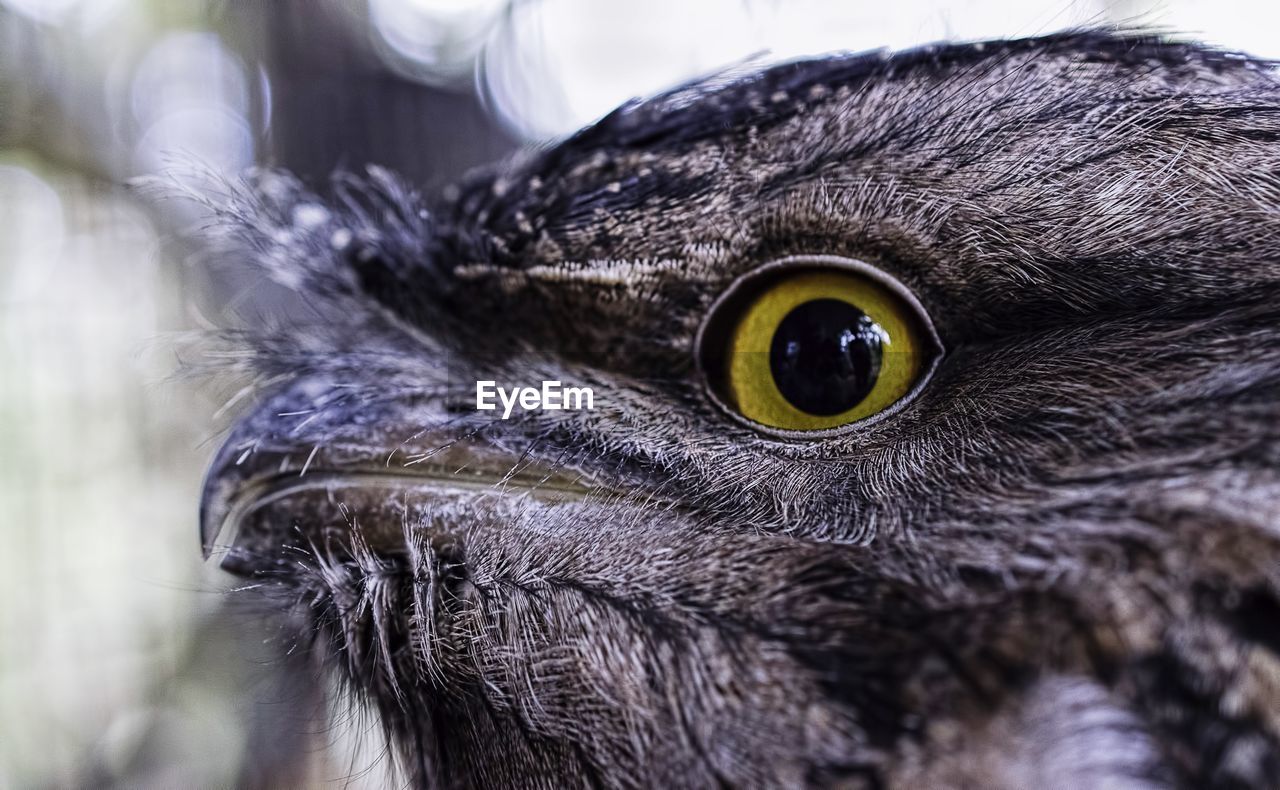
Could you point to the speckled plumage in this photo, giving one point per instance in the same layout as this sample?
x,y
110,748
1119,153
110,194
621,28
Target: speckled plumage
x,y
1059,566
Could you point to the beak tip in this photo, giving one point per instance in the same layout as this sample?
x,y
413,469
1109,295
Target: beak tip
x,y
213,512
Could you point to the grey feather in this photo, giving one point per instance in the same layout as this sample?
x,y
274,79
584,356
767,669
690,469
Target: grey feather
x,y
1058,566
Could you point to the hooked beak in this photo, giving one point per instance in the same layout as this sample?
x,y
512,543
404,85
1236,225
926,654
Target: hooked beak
x,y
294,474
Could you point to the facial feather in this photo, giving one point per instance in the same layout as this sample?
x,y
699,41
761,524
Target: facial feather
x,y
1067,544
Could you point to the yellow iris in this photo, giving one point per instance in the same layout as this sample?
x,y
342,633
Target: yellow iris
x,y
752,387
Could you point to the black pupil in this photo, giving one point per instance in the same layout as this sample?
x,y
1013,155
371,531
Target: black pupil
x,y
825,356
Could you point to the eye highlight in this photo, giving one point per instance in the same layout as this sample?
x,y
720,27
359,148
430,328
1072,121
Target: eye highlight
x,y
808,349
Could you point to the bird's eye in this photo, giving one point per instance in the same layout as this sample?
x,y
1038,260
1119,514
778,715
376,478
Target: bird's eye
x,y
810,349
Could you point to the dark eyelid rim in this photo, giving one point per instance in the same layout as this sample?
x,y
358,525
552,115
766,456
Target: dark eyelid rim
x,y
773,269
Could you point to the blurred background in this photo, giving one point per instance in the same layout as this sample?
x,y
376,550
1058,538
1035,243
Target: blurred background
x,y
121,663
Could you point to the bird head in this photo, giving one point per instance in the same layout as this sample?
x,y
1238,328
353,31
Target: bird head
x,y
933,436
